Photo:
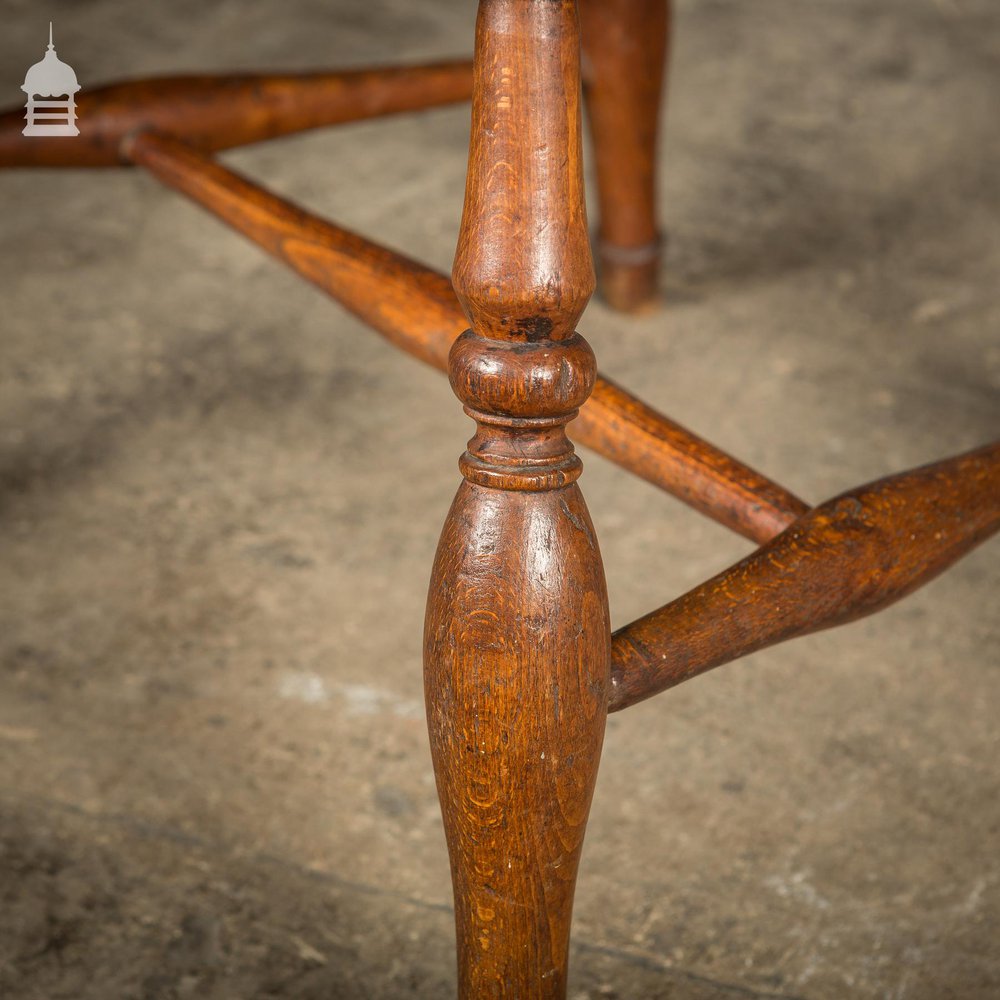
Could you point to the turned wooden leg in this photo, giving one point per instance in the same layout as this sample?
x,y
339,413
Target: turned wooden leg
x,y
517,639
625,44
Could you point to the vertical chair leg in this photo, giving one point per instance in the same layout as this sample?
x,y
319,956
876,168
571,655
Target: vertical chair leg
x,y
517,638
625,44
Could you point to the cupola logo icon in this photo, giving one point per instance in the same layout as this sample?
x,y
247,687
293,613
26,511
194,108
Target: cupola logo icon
x,y
51,78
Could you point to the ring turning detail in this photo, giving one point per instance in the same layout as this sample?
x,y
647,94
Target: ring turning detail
x,y
520,665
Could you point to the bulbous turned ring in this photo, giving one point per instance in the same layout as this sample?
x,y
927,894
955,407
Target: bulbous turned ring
x,y
524,379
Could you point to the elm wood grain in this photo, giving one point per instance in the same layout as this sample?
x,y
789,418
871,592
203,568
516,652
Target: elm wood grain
x,y
847,558
625,44
517,635
219,112
415,308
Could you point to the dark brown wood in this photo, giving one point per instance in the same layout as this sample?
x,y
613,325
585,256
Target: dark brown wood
x,y
517,635
415,308
847,558
220,112
625,52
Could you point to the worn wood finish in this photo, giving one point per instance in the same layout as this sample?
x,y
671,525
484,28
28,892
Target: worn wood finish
x,y
520,665
847,558
415,308
517,636
219,112
625,46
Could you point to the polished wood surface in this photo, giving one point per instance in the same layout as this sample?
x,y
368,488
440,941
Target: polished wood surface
x,y
847,558
517,636
625,46
415,308
220,112
520,666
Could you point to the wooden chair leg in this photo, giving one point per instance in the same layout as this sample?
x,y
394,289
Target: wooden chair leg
x,y
517,639
625,45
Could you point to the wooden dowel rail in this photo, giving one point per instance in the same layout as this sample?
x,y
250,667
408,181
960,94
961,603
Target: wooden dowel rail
x,y
215,112
412,306
520,665
622,428
415,308
847,558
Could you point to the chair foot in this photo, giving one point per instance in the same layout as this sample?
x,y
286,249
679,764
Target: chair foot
x,y
629,277
625,45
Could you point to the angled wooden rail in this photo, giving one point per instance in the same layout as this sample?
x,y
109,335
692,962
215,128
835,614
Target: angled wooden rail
x,y
520,664
847,558
415,308
214,112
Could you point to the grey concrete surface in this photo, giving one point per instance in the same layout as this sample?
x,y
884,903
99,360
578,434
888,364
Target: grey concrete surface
x,y
219,499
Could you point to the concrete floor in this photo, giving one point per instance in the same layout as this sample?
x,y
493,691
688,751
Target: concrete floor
x,y
219,499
